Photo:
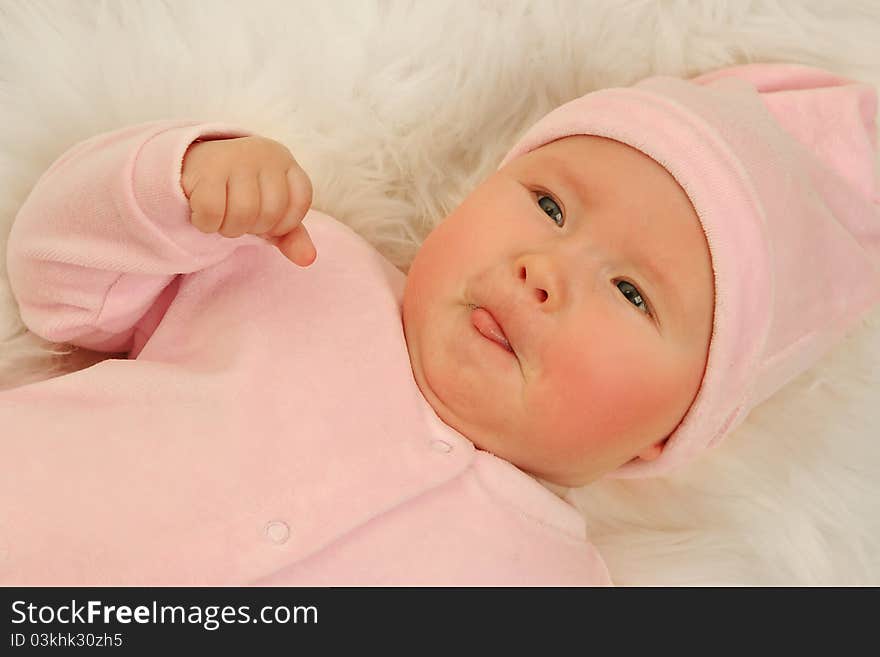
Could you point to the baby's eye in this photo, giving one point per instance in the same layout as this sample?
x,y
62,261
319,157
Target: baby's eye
x,y
551,207
632,293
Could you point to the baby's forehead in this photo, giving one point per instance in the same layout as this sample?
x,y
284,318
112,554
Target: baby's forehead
x,y
582,152
596,167
587,169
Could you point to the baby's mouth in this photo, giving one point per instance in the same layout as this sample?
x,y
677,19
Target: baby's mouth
x,y
486,324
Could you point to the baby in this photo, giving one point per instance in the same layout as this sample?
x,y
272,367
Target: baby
x,y
645,266
502,316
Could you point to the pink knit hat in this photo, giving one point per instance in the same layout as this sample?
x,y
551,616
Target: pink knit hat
x,y
778,161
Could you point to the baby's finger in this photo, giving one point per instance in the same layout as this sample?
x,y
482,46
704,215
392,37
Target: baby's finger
x,y
207,201
297,246
273,200
242,205
299,201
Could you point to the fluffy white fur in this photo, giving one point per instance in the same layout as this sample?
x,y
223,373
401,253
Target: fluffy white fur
x,y
397,110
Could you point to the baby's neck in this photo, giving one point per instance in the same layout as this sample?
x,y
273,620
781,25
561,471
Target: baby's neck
x,y
558,489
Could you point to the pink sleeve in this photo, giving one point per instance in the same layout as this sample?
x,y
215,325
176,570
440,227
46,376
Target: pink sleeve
x,y
106,230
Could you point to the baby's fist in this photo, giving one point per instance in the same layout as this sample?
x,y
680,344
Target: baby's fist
x,y
249,185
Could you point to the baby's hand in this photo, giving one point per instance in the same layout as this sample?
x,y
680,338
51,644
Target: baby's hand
x,y
249,185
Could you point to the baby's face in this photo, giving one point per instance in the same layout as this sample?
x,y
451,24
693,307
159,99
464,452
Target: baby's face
x,y
591,258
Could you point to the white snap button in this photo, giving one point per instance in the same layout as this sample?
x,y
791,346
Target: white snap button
x,y
277,531
441,446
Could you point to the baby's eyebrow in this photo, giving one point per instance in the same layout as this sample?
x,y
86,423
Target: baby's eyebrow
x,y
670,298
570,180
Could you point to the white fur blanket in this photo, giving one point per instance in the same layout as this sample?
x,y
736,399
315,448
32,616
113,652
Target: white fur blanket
x,y
397,110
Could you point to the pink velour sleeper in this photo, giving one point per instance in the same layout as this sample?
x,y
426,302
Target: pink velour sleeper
x,y
265,428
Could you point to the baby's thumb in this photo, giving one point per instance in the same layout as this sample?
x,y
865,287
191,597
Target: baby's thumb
x,y
297,246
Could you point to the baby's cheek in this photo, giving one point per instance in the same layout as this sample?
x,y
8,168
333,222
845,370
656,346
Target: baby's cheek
x,y
590,401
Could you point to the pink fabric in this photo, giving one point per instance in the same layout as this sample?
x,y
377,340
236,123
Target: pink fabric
x,y
778,161
266,427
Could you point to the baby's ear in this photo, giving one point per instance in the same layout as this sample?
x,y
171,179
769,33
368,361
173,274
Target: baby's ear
x,y
652,452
